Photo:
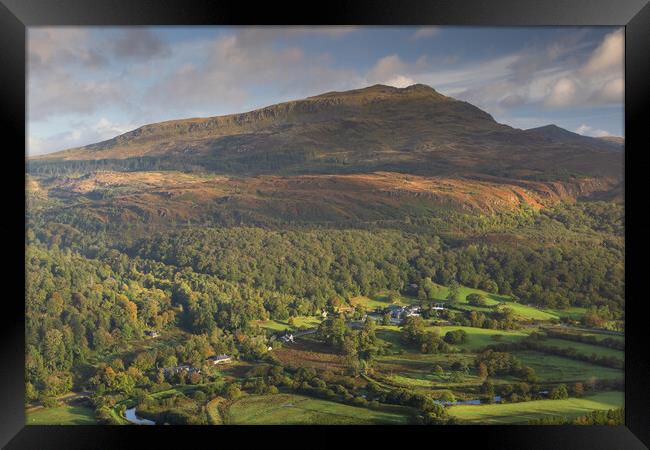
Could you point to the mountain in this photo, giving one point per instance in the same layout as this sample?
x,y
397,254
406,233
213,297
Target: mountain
x,y
553,133
414,130
613,139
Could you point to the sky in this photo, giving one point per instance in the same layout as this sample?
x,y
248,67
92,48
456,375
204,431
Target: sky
x,y
89,84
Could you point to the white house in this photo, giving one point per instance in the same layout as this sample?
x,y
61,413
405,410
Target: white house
x,y
220,359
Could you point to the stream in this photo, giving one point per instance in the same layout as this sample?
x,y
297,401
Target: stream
x,y
131,417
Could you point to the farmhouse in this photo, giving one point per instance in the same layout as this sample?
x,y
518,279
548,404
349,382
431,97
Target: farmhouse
x,y
178,369
287,338
219,359
412,311
398,312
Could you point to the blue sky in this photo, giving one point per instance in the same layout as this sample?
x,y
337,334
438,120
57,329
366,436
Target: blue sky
x,y
90,84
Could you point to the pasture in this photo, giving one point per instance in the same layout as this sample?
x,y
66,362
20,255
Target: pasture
x,y
585,349
300,322
521,413
551,368
62,415
478,338
290,409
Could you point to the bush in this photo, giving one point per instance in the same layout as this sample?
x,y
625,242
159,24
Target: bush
x,y
559,392
49,402
456,337
476,299
232,392
199,396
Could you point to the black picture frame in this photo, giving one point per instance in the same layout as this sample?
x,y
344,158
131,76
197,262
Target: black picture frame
x,y
16,15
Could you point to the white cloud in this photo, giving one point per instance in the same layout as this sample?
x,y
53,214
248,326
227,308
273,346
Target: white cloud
x,y
426,32
553,77
61,93
399,81
608,56
389,70
613,91
563,93
79,135
587,130
224,70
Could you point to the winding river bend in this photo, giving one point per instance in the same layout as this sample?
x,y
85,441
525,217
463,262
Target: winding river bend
x,y
131,417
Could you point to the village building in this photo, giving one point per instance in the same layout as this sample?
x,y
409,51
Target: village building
x,y
151,333
287,338
167,371
219,359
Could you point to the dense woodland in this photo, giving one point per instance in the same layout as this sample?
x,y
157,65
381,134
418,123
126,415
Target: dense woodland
x,y
91,291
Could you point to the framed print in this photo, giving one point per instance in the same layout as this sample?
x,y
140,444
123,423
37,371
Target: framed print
x,y
278,222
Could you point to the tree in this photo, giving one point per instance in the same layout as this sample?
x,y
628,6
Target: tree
x,y
447,397
487,389
413,329
476,299
55,304
232,392
578,389
54,349
559,392
482,370
454,293
456,337
351,352
31,393
333,330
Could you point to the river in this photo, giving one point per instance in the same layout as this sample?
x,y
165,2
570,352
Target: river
x,y
131,417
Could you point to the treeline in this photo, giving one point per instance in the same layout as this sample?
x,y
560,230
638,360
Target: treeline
x,y
567,352
617,344
490,363
609,417
322,263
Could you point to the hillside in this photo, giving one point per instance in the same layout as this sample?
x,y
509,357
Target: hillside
x,y
380,128
553,133
167,197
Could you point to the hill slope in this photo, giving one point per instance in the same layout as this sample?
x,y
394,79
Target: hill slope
x,y
380,128
556,134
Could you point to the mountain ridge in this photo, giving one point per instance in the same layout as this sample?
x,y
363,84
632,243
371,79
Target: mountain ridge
x,y
378,128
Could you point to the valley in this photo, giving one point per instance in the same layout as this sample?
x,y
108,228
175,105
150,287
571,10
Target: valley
x,y
377,256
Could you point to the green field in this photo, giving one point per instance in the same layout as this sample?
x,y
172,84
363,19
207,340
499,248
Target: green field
x,y
281,325
478,338
62,415
521,311
524,312
573,312
585,349
553,368
514,413
599,335
292,409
